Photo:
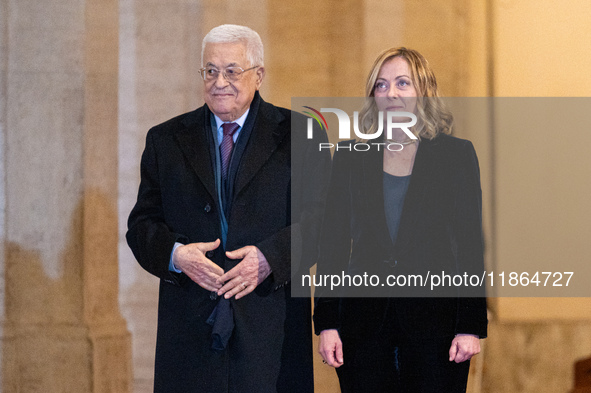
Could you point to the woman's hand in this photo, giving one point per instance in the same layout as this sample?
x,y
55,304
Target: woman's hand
x,y
331,347
463,347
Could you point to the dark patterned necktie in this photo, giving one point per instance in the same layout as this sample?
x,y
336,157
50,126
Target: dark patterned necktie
x,y
226,146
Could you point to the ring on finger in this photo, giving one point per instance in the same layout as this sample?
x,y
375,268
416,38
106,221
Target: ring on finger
x,y
244,285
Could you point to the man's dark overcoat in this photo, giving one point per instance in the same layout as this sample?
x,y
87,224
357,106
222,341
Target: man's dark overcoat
x,y
277,201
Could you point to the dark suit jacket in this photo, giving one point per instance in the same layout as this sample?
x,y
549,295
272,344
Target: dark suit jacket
x,y
440,230
270,349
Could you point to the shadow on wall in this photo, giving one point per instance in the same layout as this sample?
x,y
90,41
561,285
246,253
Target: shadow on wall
x,y
51,343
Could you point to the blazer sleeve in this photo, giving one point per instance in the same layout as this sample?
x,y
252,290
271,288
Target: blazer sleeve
x,y
148,236
467,240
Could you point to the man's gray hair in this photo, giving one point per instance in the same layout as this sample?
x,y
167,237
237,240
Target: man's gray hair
x,y
236,33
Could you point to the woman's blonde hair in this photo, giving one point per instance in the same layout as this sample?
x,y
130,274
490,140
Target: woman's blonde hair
x,y
432,116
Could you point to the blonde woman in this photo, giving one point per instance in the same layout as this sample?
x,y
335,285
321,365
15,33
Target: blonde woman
x,y
411,208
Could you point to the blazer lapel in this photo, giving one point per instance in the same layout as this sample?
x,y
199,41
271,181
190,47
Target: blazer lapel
x,y
264,139
196,143
415,197
372,183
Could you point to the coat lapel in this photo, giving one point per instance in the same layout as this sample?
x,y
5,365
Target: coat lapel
x,y
196,143
266,136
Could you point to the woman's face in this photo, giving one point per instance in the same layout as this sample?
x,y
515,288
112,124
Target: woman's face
x,y
394,90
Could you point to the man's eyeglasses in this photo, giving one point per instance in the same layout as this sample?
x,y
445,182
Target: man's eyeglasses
x,y
231,74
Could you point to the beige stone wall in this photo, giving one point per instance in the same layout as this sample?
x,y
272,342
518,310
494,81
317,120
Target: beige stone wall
x,y
533,44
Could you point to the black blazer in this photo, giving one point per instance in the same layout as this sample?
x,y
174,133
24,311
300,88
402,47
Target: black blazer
x,y
177,202
440,230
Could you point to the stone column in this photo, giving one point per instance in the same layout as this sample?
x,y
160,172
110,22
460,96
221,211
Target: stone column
x,y
3,64
62,327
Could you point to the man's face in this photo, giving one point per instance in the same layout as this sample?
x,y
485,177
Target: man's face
x,y
229,100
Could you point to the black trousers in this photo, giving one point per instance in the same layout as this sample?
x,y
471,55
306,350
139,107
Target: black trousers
x,y
386,362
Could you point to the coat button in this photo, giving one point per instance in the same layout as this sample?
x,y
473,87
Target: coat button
x,y
391,262
209,254
213,295
207,208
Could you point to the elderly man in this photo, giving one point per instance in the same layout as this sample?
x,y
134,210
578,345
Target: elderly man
x,y
229,193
